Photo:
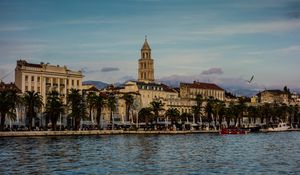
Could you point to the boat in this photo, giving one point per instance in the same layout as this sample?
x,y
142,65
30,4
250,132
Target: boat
x,y
233,131
278,127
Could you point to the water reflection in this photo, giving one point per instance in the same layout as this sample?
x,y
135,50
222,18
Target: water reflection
x,y
270,153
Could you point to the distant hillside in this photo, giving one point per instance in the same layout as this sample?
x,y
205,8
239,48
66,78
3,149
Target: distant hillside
x,y
98,84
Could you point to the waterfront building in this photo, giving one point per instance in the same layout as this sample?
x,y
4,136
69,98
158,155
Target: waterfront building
x,y
44,78
206,90
9,87
272,96
146,64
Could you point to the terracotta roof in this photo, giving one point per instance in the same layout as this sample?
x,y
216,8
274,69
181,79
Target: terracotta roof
x,y
200,85
275,92
152,85
10,86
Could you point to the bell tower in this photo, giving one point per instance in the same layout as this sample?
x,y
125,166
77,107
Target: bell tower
x,y
146,66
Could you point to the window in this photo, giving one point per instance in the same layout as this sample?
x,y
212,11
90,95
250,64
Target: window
x,y
38,79
32,88
26,88
77,82
26,78
39,89
32,78
72,82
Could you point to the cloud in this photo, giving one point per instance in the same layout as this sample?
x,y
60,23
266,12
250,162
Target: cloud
x,y
211,71
109,69
14,28
252,28
294,15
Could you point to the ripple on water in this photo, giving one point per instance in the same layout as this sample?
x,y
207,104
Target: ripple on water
x,y
263,153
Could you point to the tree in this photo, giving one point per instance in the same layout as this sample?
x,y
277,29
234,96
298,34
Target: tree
x,y
146,115
77,105
99,102
173,114
209,110
196,110
8,99
112,104
128,102
217,107
156,107
33,102
90,99
186,116
54,108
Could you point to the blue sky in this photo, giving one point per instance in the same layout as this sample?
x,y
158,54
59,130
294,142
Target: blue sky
x,y
225,42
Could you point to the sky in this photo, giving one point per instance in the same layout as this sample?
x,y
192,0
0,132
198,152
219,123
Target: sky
x,y
224,41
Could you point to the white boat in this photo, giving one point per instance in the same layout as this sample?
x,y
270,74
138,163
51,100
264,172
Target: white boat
x,y
279,127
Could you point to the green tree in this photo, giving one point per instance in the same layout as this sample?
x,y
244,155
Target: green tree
x,y
156,107
33,102
112,104
217,108
173,114
146,115
54,108
196,110
99,102
90,99
8,99
186,116
129,99
77,105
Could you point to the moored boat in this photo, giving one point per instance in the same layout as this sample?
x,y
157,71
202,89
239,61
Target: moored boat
x,y
233,131
278,127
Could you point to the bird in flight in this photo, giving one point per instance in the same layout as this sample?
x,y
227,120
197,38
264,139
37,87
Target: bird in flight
x,y
249,81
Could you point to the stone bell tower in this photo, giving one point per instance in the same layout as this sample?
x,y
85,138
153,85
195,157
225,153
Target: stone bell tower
x,y
146,64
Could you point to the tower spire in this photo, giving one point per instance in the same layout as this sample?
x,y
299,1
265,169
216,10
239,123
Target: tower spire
x,y
146,65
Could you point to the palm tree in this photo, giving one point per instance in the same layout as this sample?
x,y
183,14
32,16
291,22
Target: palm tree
x,y
33,102
112,104
54,108
90,99
128,102
209,110
77,105
253,113
186,116
99,102
196,110
173,114
156,107
217,107
8,101
146,115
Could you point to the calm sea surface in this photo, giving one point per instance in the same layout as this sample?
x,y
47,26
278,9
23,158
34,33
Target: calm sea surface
x,y
261,153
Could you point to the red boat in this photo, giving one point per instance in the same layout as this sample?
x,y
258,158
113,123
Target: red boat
x,y
233,131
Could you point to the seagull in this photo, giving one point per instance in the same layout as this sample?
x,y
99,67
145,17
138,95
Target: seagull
x,y
249,81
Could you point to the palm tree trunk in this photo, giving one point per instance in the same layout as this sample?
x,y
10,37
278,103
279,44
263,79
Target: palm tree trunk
x,y
98,118
2,121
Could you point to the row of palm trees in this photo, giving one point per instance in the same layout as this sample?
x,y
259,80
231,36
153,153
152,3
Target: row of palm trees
x,y
210,111
216,114
76,107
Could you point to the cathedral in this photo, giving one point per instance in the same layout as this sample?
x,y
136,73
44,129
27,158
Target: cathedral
x,y
146,64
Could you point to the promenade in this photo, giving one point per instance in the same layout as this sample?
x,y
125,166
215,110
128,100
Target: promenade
x,y
93,132
105,132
